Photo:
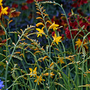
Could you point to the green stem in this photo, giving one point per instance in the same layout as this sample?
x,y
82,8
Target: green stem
x,y
11,57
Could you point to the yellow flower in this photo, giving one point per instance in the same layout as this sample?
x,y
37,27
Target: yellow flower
x,y
4,11
60,60
78,43
54,26
40,32
56,39
1,2
39,79
33,71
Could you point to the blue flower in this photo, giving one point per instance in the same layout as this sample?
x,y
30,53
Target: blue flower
x,y
1,84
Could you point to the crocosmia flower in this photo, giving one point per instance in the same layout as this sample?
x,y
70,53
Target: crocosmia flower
x,y
3,11
33,72
57,39
40,31
54,26
1,84
39,79
79,43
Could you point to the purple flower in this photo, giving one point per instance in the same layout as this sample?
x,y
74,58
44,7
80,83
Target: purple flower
x,y
1,84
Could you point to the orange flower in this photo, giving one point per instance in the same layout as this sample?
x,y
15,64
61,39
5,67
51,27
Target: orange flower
x,y
51,64
60,60
51,74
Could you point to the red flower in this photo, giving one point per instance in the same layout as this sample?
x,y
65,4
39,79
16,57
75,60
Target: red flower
x,y
2,42
53,33
78,3
62,36
82,2
74,5
73,24
2,32
84,23
88,37
24,7
63,21
88,19
15,14
56,20
80,12
8,11
67,32
88,28
14,5
30,1
69,14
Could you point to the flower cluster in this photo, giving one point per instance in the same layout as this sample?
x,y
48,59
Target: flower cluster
x,y
39,78
78,27
24,5
47,28
34,73
78,3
